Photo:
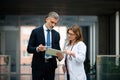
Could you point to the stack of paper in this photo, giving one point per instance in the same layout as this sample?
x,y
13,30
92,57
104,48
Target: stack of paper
x,y
52,51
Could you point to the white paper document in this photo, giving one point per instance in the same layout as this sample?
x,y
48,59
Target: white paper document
x,y
52,51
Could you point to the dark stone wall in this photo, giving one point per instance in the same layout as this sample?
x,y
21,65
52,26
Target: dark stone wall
x,y
106,34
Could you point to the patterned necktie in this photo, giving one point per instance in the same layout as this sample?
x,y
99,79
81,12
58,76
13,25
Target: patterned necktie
x,y
48,43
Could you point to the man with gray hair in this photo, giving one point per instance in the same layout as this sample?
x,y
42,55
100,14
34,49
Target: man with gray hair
x,y
53,14
41,38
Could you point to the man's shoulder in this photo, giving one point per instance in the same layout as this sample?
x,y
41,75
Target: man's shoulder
x,y
55,31
38,28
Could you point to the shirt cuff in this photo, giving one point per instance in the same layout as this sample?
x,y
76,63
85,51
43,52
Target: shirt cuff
x,y
37,49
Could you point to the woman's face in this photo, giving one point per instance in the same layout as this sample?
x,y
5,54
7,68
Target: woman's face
x,y
51,22
71,35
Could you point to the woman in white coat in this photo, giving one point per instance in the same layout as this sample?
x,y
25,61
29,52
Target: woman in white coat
x,y
75,54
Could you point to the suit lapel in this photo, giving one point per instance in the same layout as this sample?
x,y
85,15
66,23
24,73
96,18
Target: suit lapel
x,y
53,36
42,35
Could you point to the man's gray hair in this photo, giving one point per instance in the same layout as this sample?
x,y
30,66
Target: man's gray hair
x,y
53,14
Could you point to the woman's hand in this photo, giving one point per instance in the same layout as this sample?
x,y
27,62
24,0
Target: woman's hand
x,y
68,52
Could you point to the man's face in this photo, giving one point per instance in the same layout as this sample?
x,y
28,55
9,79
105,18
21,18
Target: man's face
x,y
51,22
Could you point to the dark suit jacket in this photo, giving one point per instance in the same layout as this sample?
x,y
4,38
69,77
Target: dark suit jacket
x,y
36,38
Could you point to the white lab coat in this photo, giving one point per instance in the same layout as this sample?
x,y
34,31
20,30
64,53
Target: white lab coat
x,y
76,66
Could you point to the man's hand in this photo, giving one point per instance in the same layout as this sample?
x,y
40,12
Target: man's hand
x,y
60,56
41,48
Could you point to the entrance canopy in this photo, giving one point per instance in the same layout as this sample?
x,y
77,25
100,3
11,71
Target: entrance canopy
x,y
64,7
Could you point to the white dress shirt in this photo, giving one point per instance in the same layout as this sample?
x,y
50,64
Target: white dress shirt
x,y
45,32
